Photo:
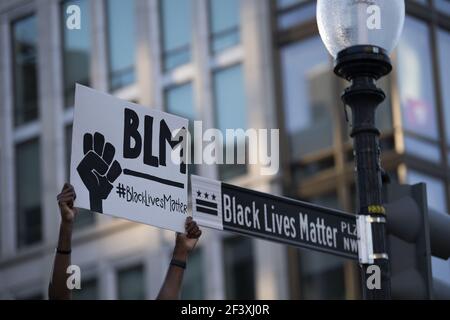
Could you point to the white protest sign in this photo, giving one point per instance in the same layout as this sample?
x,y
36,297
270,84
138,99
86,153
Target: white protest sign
x,y
128,160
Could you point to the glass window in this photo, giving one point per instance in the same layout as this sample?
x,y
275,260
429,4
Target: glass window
x,y
76,50
239,268
416,87
193,278
292,13
84,218
288,3
231,113
224,24
180,101
88,291
131,283
322,275
444,62
121,42
28,196
308,96
329,200
443,6
441,269
176,32
24,35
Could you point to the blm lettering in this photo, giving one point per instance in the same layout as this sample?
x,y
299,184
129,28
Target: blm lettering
x,y
134,144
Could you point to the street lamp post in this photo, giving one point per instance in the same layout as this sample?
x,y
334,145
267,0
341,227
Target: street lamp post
x,y
360,34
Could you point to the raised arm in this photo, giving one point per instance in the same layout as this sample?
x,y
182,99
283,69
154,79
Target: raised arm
x,y
184,244
58,289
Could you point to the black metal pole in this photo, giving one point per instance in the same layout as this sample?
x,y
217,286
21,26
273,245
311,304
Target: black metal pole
x,y
362,66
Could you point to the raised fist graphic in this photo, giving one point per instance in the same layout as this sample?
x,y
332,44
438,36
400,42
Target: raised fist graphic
x,y
97,169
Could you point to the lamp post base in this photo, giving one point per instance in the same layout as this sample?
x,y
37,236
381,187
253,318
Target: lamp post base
x,y
362,66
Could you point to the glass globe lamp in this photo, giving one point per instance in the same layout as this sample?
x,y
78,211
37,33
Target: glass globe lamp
x,y
346,23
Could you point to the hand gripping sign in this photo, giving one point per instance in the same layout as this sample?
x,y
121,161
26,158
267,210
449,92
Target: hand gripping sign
x,y
128,161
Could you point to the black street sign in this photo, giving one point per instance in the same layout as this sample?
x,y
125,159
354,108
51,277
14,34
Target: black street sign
x,y
223,206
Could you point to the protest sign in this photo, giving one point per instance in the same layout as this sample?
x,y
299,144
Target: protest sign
x,y
128,161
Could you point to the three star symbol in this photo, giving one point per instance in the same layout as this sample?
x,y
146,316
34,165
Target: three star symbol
x,y
206,195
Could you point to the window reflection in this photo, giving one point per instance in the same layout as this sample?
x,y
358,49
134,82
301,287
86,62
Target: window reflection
x,y
291,13
444,62
176,32
308,96
322,275
231,113
443,6
131,283
28,197
288,3
76,50
224,21
416,88
24,35
239,268
121,42
179,100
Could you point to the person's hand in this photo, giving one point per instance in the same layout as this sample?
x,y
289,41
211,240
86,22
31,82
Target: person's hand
x,y
66,201
186,242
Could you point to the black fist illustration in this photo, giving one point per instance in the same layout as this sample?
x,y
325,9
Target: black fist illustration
x,y
96,170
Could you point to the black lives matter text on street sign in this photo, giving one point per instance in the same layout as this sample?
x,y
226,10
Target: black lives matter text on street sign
x,y
226,207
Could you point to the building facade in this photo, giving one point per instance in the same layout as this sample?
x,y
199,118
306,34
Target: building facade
x,y
231,64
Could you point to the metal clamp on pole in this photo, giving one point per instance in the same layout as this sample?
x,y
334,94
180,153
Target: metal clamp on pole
x,y
365,241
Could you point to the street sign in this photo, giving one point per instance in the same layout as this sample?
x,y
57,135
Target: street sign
x,y
223,206
127,160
